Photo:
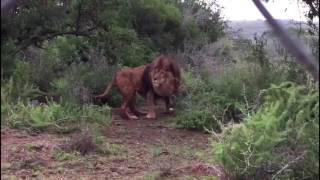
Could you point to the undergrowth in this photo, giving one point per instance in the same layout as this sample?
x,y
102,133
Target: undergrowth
x,y
60,117
280,140
53,116
210,101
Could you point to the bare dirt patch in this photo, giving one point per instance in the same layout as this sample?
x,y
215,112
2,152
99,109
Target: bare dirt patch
x,y
148,149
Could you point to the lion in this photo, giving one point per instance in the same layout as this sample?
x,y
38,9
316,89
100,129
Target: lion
x,y
157,80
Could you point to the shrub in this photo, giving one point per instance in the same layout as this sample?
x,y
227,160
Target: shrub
x,y
280,140
159,21
24,73
203,106
8,59
56,117
198,119
220,98
12,92
123,46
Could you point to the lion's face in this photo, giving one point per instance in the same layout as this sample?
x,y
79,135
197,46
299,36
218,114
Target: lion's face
x,y
163,82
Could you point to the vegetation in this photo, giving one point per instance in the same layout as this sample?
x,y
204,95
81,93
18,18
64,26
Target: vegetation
x,y
62,53
56,54
280,140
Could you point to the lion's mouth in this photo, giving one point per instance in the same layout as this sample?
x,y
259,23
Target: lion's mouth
x,y
156,84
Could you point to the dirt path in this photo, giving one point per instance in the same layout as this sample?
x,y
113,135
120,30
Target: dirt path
x,y
141,149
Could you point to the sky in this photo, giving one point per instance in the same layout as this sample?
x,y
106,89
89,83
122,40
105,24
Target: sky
x,y
246,10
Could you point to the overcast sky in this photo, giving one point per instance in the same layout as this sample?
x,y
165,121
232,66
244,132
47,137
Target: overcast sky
x,y
246,10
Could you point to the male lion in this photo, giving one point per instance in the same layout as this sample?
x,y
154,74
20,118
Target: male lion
x,y
158,80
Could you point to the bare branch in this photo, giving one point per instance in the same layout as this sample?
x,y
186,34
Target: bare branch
x,y
7,4
289,164
77,23
301,56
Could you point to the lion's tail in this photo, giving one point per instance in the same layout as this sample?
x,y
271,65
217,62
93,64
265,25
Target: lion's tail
x,y
106,92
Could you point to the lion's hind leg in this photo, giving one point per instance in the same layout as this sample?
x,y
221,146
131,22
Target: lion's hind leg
x,y
133,109
128,95
126,112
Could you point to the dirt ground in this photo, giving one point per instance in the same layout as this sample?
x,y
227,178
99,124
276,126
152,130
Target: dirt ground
x,y
141,149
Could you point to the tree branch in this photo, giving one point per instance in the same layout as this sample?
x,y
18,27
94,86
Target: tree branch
x,y
78,18
7,4
313,10
299,52
50,35
289,164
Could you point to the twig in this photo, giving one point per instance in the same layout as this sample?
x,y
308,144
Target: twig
x,y
310,64
77,23
288,164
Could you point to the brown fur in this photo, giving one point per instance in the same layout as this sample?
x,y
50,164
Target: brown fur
x,y
160,79
166,76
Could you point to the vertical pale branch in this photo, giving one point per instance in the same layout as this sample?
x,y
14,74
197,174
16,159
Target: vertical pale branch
x,y
7,4
301,56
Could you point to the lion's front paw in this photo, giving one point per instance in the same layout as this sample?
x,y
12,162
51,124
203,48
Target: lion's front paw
x,y
151,115
133,117
170,111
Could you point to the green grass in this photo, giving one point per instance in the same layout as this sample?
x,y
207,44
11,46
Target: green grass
x,y
60,155
156,175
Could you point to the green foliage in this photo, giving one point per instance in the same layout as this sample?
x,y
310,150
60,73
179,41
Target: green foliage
x,y
54,116
158,20
65,50
203,104
191,29
111,149
12,92
123,46
235,90
8,61
207,16
84,42
210,100
285,128
64,156
283,69
195,116
23,73
197,119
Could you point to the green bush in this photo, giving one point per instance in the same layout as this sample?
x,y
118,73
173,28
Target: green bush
x,y
233,91
215,97
202,105
226,96
8,59
12,92
54,116
159,21
24,73
198,119
285,131
123,46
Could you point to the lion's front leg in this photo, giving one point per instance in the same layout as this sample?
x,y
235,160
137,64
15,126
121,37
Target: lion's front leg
x,y
169,109
151,106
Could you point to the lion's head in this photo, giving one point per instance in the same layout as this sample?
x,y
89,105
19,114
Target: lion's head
x,y
163,82
165,76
